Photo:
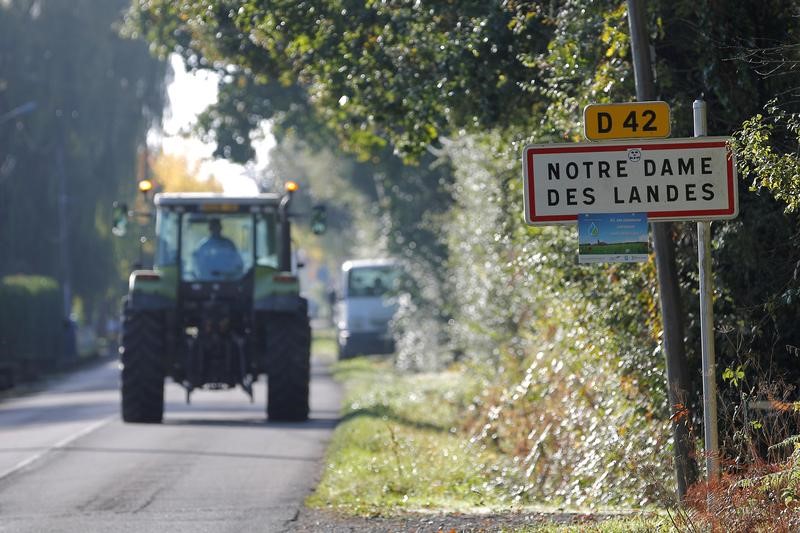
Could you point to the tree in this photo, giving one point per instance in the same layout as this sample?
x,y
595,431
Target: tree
x,y
376,71
63,163
173,173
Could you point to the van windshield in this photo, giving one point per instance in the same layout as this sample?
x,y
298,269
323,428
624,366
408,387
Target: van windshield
x,y
372,281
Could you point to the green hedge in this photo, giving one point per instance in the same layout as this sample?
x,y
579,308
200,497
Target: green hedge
x,y
31,325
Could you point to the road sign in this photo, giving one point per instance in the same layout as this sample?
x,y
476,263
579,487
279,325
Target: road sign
x,y
671,179
603,122
613,238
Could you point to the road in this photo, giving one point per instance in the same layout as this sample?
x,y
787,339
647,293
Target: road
x,y
69,464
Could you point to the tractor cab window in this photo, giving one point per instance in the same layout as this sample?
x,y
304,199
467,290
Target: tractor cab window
x,y
167,239
216,247
267,240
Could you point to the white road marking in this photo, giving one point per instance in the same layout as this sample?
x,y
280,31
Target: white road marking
x,y
66,441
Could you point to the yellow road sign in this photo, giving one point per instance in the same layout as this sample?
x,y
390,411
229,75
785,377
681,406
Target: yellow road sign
x,y
602,122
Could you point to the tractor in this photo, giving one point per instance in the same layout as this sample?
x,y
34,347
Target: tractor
x,y
220,307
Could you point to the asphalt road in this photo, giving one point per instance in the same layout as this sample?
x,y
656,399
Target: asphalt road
x,y
69,464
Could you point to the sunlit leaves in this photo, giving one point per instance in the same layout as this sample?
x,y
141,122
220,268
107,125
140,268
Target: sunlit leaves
x,y
761,158
734,376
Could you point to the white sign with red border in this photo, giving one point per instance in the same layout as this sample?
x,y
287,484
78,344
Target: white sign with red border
x,y
669,179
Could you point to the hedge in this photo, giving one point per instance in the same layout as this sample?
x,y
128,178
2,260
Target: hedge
x,y
31,324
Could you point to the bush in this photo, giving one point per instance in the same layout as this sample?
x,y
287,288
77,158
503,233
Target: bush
x,y
574,384
765,497
31,325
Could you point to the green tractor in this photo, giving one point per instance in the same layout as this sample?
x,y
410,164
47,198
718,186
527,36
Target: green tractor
x,y
220,306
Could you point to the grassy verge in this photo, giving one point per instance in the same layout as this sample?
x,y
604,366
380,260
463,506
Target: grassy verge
x,y
400,449
396,447
323,344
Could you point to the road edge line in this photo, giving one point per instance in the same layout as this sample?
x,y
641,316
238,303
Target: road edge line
x,y
57,446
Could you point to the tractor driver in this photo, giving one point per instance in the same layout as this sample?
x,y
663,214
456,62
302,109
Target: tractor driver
x,y
216,257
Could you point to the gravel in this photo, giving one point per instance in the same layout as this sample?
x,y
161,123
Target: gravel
x,y
312,520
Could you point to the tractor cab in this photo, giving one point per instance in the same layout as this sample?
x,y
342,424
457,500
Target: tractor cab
x,y
214,239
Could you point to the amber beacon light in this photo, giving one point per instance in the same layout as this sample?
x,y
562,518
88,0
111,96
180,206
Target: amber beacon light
x,y
145,186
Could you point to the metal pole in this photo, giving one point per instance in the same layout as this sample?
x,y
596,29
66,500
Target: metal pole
x,y
667,271
707,322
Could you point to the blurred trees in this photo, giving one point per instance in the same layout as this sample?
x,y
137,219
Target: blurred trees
x,y
90,97
174,173
455,90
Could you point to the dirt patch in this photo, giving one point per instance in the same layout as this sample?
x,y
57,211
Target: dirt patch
x,y
318,520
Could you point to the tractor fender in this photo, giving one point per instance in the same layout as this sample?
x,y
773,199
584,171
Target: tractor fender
x,y
150,290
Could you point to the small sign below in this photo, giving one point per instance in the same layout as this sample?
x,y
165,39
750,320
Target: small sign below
x,y
633,120
612,238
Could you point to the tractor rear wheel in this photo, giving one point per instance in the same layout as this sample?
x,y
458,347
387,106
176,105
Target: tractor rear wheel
x,y
289,373
142,366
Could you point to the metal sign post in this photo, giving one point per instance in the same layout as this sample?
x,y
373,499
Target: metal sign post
x,y
707,322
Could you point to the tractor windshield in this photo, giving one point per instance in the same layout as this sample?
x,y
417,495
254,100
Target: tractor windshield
x,y
216,247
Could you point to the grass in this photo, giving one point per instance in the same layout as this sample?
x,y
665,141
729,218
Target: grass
x,y
323,344
400,448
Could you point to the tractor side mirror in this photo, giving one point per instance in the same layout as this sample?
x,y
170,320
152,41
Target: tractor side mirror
x,y
319,219
119,219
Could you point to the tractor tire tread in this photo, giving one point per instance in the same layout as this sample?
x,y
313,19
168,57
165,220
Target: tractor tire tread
x,y
289,347
142,367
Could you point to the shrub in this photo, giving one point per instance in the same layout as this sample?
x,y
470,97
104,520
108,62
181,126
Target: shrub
x,y
575,391
763,498
31,323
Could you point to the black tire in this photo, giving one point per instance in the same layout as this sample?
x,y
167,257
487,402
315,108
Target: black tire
x,y
289,375
142,366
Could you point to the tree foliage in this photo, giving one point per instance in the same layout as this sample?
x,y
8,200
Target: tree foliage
x,y
376,72
90,97
174,173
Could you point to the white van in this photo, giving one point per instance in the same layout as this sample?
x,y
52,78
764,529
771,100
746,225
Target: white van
x,y
367,304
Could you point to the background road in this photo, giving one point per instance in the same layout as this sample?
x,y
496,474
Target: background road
x,y
68,463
